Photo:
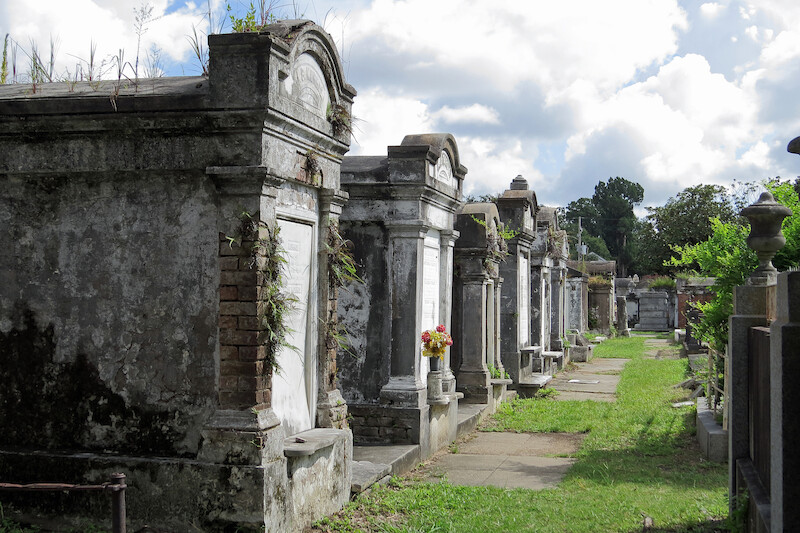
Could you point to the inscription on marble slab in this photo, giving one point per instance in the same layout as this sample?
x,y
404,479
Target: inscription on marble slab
x,y
524,300
528,221
443,171
307,85
430,287
294,388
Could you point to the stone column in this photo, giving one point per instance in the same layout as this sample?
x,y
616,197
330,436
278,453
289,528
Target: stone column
x,y
406,386
245,375
498,360
490,323
331,407
785,368
448,240
473,376
556,309
622,317
752,306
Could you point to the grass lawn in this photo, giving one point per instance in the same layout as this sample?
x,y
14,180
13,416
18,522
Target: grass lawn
x,y
638,460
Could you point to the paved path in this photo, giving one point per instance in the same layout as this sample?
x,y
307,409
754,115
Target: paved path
x,y
506,460
596,380
527,460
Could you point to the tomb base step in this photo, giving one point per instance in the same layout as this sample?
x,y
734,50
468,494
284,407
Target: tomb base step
x,y
556,360
469,416
366,474
401,457
529,387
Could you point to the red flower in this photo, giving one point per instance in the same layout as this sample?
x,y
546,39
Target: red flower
x,y
449,341
440,328
426,337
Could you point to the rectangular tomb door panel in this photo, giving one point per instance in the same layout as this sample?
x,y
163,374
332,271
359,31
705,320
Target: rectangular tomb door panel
x,y
294,384
524,301
431,294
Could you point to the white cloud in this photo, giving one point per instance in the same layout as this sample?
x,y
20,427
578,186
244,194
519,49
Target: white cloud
x,y
493,163
687,122
473,114
383,119
508,42
107,23
711,9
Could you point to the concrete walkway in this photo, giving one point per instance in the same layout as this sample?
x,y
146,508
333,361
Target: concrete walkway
x,y
506,460
527,460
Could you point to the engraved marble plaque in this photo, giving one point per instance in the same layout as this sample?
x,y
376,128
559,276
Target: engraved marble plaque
x,y
444,170
430,287
524,300
294,388
307,84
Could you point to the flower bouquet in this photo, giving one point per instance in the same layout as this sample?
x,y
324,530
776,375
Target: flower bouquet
x,y
435,341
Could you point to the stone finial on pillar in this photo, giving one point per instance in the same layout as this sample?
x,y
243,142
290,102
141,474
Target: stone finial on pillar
x,y
519,183
766,238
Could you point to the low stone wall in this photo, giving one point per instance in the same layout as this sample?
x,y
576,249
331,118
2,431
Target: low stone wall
x,y
712,438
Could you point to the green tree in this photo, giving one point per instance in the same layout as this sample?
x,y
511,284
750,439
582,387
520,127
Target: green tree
x,y
608,214
726,256
684,220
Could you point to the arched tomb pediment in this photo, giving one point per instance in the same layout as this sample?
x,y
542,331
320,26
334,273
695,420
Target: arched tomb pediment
x,y
315,77
447,167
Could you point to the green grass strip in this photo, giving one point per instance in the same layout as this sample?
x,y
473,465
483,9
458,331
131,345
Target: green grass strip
x,y
639,459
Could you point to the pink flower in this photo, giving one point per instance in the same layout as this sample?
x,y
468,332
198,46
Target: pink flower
x,y
449,341
440,328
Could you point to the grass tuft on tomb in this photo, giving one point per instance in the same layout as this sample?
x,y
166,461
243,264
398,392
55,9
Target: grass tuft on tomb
x,y
638,461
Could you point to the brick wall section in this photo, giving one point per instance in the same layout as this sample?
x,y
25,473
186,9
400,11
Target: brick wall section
x,y
245,377
379,425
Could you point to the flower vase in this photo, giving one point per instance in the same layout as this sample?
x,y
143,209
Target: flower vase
x,y
435,380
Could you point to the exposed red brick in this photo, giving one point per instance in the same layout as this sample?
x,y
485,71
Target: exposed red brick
x,y
238,308
238,277
229,263
248,293
228,293
228,322
248,323
228,353
235,337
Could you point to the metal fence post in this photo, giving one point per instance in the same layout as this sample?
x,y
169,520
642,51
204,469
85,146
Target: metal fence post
x,y
118,503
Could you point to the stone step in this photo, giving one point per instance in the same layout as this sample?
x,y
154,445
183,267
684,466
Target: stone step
x,y
556,360
469,416
529,386
401,457
367,473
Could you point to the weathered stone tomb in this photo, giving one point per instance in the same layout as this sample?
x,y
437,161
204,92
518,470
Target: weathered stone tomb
x,y
549,252
520,348
400,219
139,223
477,287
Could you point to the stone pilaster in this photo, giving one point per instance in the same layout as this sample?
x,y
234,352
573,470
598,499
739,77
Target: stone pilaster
x,y
785,368
406,387
331,407
448,240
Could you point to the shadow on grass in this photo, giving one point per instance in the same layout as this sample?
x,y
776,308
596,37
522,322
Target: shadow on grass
x,y
705,526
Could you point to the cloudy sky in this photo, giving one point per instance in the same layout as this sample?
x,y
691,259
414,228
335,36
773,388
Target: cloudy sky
x,y
662,92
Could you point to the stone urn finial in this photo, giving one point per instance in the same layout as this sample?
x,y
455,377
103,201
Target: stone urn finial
x,y
519,183
765,216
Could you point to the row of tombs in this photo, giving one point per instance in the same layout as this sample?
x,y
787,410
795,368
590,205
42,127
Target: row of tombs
x,y
139,301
